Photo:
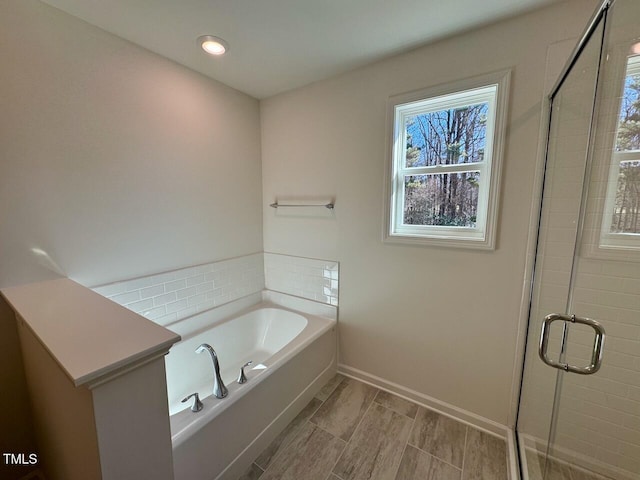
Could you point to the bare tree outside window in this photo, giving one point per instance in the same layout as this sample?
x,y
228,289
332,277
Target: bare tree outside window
x,y
629,120
626,202
626,212
446,137
444,163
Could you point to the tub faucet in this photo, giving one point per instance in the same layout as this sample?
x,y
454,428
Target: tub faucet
x,y
219,390
242,378
197,404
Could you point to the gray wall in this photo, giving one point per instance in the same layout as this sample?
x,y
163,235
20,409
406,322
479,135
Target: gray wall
x,y
115,163
441,322
118,163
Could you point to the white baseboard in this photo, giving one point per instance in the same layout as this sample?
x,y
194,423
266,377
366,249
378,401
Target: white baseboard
x,y
464,416
459,414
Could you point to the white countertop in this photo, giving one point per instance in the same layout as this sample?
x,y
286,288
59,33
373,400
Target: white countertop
x,y
87,334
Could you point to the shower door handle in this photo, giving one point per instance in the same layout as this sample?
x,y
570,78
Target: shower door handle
x,y
596,356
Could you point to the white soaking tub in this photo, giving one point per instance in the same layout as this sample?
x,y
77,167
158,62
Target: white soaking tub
x,y
293,355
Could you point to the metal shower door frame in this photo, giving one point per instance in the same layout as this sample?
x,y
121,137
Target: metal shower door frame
x,y
598,18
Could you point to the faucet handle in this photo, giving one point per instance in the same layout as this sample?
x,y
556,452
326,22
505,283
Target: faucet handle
x,y
197,404
242,377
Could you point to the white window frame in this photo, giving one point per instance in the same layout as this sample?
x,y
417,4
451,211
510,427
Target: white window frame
x,y
492,89
612,240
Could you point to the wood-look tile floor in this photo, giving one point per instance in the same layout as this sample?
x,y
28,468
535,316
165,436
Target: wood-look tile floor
x,y
353,431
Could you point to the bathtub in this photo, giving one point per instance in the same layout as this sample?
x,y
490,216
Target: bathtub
x,y
293,355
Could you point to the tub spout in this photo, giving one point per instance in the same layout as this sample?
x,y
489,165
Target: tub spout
x,y
219,390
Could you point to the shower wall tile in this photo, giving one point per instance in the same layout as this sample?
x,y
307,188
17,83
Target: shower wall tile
x,y
170,296
604,408
303,277
599,415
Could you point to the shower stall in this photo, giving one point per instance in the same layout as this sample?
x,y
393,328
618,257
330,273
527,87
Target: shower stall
x,y
579,410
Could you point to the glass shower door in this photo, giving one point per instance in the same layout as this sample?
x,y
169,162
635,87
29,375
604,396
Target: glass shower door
x,y
587,426
597,428
567,152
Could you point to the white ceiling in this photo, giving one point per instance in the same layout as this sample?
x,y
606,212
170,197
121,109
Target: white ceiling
x,y
278,45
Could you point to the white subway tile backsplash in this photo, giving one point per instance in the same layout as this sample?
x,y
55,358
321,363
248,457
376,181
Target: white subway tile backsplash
x,y
143,282
187,292
164,299
151,291
204,287
171,296
302,277
141,306
195,280
197,299
210,276
215,293
154,313
127,297
111,289
177,306
175,285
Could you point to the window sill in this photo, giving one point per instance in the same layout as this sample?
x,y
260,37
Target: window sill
x,y
468,243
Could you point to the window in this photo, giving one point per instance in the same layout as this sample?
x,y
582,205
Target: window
x,y
620,220
444,170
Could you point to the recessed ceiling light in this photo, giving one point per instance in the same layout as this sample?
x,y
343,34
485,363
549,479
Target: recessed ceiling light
x,y
213,45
